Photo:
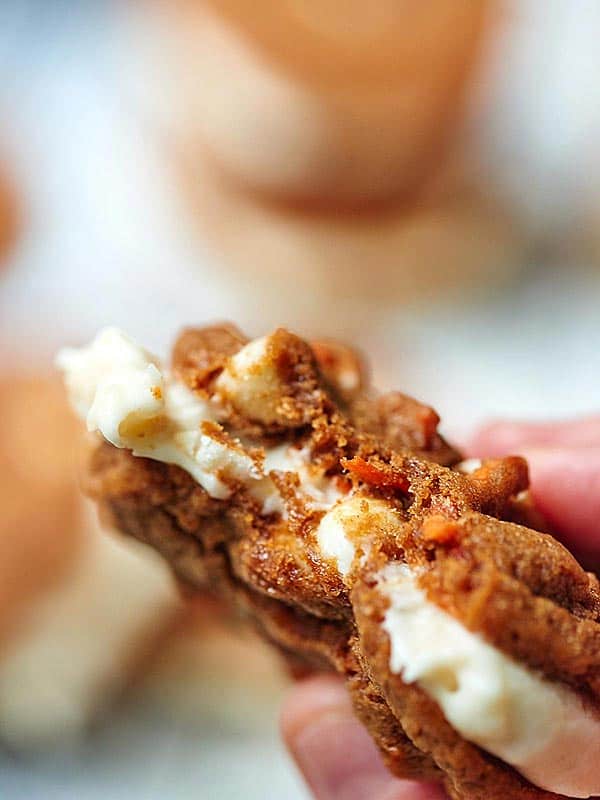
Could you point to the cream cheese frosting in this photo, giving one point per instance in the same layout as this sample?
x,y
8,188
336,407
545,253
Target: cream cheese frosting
x,y
347,527
319,491
122,392
538,727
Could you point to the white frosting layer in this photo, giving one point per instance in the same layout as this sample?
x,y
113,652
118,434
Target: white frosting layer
x,y
121,391
349,525
319,490
538,727
74,646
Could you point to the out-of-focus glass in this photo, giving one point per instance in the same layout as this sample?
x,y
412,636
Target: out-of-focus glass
x,y
320,101
317,149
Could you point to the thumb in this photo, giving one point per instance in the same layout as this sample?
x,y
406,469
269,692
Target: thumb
x,y
502,437
565,486
337,757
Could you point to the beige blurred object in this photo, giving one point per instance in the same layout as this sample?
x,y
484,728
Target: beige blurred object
x,y
213,669
335,272
312,101
78,606
318,151
37,492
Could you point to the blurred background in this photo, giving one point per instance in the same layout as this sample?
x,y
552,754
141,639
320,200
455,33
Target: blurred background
x,y
420,179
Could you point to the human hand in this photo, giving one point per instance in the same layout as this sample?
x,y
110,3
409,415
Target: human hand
x,y
564,463
335,754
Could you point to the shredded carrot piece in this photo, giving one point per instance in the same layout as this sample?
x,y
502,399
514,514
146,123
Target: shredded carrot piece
x,y
381,475
441,530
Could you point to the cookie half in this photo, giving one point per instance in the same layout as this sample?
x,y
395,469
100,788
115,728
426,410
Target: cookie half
x,y
341,522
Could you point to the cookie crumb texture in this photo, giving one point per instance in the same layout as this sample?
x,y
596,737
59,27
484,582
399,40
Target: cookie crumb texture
x,y
272,473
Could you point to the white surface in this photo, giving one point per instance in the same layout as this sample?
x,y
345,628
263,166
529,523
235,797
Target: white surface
x,y
106,246
140,757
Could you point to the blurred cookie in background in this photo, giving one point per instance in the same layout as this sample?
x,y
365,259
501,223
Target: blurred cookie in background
x,y
78,607
9,213
40,503
313,103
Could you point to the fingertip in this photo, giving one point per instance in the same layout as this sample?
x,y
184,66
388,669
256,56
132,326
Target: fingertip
x,y
497,438
334,752
565,486
503,437
310,699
